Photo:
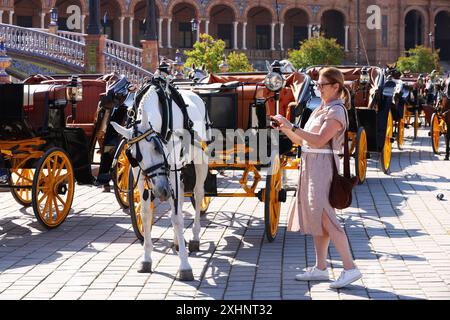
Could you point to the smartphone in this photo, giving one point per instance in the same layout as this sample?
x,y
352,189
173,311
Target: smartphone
x,y
273,122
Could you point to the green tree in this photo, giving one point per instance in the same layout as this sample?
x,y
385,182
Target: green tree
x,y
238,62
419,60
207,51
317,51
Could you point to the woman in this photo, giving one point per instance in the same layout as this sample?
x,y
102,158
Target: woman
x,y
313,213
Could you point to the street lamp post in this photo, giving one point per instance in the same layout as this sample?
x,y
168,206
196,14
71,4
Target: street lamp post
x,y
94,17
315,31
150,22
194,28
358,38
54,17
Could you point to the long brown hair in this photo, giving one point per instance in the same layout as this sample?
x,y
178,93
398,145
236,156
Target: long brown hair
x,y
334,75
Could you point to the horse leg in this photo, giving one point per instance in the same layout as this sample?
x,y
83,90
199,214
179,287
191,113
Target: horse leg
x,y
185,271
146,264
201,172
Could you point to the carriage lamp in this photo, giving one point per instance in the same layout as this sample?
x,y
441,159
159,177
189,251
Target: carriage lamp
x,y
74,90
54,16
364,78
274,80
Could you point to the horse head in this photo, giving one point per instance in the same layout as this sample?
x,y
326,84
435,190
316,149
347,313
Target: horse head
x,y
197,74
287,66
117,89
147,149
391,70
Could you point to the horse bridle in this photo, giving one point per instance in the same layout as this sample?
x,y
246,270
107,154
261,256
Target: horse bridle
x,y
149,135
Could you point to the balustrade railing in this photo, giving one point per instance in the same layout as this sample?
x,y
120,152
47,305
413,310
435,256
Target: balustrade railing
x,y
45,45
75,36
134,73
125,52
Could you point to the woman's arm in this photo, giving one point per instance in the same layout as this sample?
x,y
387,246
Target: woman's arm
x,y
328,130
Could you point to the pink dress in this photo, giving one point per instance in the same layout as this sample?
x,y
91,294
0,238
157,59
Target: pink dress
x,y
316,175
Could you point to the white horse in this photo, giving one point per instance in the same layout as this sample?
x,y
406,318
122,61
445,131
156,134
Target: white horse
x,y
287,66
159,163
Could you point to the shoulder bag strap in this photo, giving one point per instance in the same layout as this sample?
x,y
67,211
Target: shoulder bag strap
x,y
346,150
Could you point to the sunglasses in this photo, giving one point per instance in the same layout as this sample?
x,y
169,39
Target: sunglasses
x,y
321,85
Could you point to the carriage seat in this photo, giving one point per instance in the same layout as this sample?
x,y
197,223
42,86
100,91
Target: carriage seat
x,y
245,85
86,109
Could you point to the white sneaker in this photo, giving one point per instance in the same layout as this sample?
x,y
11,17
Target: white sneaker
x,y
346,277
313,274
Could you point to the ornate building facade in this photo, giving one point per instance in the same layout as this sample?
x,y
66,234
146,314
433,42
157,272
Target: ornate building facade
x,y
259,27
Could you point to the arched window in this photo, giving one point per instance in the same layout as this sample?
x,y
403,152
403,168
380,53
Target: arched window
x,y
413,29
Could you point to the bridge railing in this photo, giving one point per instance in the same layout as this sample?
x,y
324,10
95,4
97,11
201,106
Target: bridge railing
x,y
44,45
75,36
125,52
134,73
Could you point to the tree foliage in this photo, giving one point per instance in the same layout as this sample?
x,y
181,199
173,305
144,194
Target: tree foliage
x,y
317,51
209,51
419,60
238,62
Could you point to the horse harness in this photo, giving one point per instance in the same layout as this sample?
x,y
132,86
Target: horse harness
x,y
166,95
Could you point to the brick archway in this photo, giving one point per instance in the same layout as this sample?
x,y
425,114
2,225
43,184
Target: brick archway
x,y
333,24
260,4
28,14
442,33
216,3
414,21
194,4
296,21
289,7
134,3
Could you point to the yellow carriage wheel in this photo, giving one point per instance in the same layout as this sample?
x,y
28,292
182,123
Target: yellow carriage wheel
x,y
203,206
401,130
53,188
386,153
22,178
120,177
361,155
135,207
435,133
273,196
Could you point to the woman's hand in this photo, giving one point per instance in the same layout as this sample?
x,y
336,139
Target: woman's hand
x,y
282,123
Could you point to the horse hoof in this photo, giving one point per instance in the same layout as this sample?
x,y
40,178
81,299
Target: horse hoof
x,y
194,246
447,158
186,275
146,267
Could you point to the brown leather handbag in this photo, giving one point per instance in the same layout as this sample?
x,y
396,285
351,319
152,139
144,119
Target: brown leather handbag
x,y
341,186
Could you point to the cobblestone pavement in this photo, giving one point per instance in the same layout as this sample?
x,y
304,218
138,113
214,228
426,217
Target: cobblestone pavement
x,y
398,230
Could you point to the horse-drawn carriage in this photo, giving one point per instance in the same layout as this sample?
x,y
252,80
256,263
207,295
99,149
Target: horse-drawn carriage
x,y
417,99
440,118
239,107
49,129
371,119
